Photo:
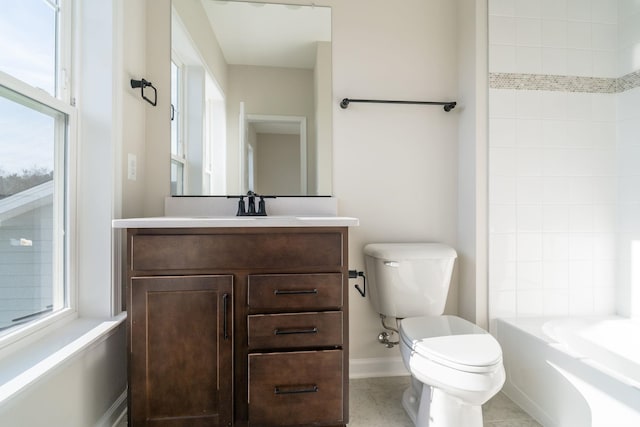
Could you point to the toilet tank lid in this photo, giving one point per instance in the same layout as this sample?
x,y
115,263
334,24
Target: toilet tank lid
x,y
398,251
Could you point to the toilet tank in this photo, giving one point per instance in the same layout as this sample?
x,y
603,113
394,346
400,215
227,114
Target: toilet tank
x,y
408,279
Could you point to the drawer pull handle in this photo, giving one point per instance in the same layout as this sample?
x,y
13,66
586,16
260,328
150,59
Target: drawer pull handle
x,y
312,330
295,292
295,389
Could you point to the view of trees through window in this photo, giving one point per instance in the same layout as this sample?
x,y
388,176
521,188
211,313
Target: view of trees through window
x,y
13,183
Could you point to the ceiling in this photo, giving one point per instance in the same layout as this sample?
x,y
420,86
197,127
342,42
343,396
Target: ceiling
x,y
272,35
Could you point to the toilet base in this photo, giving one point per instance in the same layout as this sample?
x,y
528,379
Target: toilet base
x,y
431,407
411,403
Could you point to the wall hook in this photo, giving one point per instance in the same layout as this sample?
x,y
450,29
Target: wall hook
x,y
143,84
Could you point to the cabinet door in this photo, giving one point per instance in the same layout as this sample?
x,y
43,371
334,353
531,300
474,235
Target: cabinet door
x,y
181,351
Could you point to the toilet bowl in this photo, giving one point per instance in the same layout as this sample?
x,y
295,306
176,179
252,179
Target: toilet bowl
x,y
455,365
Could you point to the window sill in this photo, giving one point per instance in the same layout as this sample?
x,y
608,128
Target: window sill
x,y
27,365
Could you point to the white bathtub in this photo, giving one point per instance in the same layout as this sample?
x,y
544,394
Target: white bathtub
x,y
573,371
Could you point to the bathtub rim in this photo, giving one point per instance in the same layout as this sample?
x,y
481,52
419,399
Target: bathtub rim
x,y
534,327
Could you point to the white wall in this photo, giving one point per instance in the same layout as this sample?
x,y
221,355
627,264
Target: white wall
x,y
472,160
133,111
394,166
157,16
85,391
278,164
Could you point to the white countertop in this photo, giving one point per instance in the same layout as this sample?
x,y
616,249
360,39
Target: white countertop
x,y
236,221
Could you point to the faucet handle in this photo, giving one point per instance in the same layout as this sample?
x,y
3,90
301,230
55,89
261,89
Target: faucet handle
x,y
241,208
262,207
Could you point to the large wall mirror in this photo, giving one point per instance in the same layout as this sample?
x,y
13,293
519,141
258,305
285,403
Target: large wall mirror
x,y
251,102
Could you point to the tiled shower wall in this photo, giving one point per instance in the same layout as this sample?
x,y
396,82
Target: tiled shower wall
x,y
564,155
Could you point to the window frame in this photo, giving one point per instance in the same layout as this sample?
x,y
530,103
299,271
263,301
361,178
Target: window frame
x,y
65,264
180,157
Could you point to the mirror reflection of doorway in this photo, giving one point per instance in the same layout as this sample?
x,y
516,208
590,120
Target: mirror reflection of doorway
x,y
276,154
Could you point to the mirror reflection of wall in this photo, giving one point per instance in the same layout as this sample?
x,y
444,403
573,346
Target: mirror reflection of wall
x,y
283,150
276,154
226,54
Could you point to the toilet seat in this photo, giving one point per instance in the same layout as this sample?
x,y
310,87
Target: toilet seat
x,y
468,353
452,342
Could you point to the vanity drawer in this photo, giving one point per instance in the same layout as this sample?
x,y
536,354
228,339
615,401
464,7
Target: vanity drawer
x,y
280,331
255,250
296,389
295,292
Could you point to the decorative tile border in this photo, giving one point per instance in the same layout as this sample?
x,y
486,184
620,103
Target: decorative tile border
x,y
628,82
564,83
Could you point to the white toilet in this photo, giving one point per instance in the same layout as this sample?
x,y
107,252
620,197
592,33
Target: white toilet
x,y
455,366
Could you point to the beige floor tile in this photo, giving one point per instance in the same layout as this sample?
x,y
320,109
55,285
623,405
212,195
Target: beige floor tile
x,y
376,402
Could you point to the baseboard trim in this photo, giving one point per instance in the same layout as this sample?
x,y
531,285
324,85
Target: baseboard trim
x,y
115,413
377,367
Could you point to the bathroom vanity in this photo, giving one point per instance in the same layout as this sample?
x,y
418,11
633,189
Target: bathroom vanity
x,y
237,321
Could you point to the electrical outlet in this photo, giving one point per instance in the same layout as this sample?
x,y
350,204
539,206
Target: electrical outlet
x,y
132,166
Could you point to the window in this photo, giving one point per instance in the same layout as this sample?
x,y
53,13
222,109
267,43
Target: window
x,y
35,118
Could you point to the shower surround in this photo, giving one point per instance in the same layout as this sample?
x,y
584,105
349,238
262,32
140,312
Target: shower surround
x,y
564,157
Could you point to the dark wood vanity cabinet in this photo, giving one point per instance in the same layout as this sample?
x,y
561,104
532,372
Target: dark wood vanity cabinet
x,y
238,326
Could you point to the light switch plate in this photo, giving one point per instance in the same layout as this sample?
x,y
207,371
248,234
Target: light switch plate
x,y
132,166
